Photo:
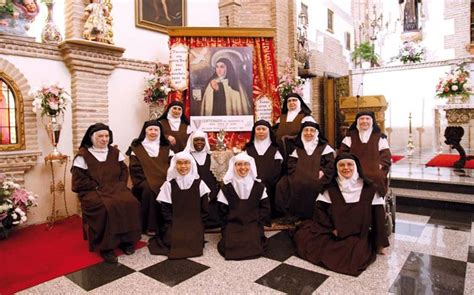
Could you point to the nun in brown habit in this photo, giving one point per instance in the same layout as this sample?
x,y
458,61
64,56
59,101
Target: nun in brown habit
x,y
293,111
109,209
264,149
149,161
310,166
184,204
370,145
175,126
245,210
198,147
347,229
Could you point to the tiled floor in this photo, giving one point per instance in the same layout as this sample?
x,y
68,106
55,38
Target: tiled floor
x,y
432,252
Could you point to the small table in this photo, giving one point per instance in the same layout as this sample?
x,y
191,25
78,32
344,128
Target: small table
x,y
57,186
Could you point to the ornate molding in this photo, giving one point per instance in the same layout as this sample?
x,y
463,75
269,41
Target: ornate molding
x,y
136,65
13,45
412,66
459,116
88,56
18,161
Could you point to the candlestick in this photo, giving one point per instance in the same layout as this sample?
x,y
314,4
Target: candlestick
x,y
423,113
410,145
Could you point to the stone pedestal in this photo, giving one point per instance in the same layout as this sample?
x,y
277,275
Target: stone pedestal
x,y
351,105
90,64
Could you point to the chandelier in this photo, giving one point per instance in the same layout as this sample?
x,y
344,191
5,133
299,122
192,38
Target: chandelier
x,y
302,54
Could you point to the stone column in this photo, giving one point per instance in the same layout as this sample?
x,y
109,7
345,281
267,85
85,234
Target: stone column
x,y
74,18
90,64
229,13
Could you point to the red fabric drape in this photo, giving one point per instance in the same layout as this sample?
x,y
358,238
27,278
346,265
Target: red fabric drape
x,y
264,76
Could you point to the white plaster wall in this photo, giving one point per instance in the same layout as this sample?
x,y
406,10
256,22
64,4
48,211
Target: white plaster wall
x,y
127,110
41,72
407,91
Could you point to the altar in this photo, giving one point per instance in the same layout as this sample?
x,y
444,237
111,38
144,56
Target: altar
x,y
454,126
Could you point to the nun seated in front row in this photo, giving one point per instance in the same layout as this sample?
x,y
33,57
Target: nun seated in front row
x,y
345,233
110,211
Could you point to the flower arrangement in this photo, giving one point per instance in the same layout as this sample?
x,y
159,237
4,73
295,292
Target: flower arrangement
x,y
14,203
289,82
158,85
455,83
50,100
411,52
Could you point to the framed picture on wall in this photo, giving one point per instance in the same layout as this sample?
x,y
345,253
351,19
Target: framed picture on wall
x,y
156,15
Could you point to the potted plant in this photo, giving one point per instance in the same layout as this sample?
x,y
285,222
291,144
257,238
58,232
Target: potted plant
x,y
365,53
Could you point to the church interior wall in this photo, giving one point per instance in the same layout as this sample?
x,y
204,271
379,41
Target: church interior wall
x,y
409,89
39,72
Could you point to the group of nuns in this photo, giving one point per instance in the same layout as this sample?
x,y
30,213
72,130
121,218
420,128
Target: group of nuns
x,y
287,170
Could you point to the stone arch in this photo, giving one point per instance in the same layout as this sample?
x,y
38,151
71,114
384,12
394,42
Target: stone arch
x,y
17,162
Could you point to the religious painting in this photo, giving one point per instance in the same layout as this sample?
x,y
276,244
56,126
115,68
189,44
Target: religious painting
x,y
221,88
157,15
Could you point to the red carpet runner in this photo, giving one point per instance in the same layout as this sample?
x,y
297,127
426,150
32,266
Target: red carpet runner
x,y
396,158
444,160
33,255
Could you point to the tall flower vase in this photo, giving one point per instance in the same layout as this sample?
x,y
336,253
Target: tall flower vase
x,y
50,32
156,109
53,128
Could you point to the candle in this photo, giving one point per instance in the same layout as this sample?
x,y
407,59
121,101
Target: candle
x,y
409,123
423,113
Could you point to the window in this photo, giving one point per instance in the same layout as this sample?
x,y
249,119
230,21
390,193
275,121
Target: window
x,y
330,21
347,37
11,112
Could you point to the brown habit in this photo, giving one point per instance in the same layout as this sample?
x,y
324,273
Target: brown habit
x,y
355,246
109,209
181,135
304,182
184,229
268,170
213,220
148,174
242,231
370,158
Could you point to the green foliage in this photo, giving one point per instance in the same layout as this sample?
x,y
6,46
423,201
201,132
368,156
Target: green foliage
x,y
8,8
365,51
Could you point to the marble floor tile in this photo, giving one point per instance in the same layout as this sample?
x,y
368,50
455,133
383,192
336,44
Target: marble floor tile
x,y
141,259
427,274
173,272
214,281
470,254
414,210
412,218
60,285
454,220
98,275
408,228
135,283
469,282
292,280
442,242
280,247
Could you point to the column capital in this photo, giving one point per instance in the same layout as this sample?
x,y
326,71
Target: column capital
x,y
88,56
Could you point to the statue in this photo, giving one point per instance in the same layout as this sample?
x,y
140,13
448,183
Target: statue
x,y
410,14
17,15
96,27
220,146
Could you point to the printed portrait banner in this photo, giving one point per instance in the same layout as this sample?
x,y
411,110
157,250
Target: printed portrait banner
x,y
179,67
227,123
263,76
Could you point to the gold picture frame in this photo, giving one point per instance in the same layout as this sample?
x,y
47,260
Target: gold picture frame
x,y
158,15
